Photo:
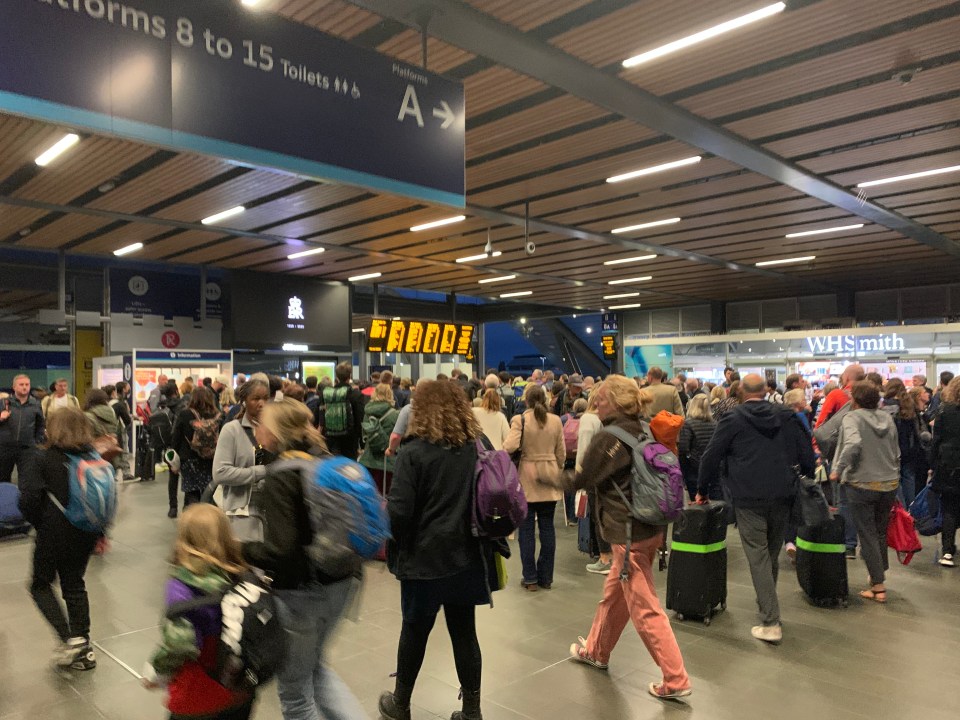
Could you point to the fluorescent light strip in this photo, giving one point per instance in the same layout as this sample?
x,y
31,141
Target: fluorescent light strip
x,y
438,223
630,280
305,253
911,176
703,35
787,261
357,330
825,230
58,148
623,307
644,226
521,293
497,279
483,256
128,249
621,261
368,276
214,219
620,295
654,169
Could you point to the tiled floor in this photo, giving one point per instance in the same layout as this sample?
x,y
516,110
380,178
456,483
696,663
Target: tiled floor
x,y
867,661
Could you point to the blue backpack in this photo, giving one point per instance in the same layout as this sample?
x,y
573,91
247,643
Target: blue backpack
x,y
347,513
93,493
927,513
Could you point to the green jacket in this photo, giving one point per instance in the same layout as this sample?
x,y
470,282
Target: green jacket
x,y
387,414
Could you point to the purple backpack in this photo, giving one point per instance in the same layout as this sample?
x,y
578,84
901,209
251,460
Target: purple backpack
x,y
656,483
499,505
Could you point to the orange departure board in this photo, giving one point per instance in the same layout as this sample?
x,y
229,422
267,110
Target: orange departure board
x,y
609,344
420,336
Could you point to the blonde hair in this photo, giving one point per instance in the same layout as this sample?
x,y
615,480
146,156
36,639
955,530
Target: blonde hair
x,y
491,401
951,393
593,398
794,397
579,406
227,396
186,386
291,423
626,396
205,541
442,415
68,429
717,394
384,393
699,408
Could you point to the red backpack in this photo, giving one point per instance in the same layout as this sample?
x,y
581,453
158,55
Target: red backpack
x,y
902,534
571,429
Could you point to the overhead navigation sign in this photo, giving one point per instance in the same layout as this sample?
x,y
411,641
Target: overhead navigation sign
x,y
413,336
214,78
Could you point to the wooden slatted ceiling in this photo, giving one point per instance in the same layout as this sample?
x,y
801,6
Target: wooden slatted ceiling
x,y
50,237
331,16
13,219
21,141
408,47
340,216
528,14
242,190
308,200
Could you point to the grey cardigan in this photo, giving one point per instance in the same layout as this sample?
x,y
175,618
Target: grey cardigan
x,y
868,454
234,465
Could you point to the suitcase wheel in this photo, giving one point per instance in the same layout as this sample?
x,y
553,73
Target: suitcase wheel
x,y
723,605
706,621
844,603
680,617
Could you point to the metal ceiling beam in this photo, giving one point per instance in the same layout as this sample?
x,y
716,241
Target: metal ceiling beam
x,y
459,24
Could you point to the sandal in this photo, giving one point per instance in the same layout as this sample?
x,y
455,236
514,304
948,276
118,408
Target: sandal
x,y
878,596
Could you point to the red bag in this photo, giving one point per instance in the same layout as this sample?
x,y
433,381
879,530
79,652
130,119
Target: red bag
x,y
902,535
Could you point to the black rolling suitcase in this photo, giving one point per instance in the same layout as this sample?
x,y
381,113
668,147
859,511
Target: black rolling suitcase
x,y
143,464
697,576
822,562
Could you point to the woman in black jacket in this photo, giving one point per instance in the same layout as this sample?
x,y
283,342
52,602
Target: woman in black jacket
x,y
309,603
433,553
196,472
61,550
694,437
945,457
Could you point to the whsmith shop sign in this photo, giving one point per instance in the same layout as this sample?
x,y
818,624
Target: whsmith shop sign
x,y
856,345
215,78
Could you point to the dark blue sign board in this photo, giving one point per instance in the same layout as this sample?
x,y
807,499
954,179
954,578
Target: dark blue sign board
x,y
174,357
215,78
610,323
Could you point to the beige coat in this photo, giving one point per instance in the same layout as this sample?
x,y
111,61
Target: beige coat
x,y
665,397
543,456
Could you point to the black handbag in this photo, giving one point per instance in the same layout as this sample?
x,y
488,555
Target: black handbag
x,y
518,453
811,501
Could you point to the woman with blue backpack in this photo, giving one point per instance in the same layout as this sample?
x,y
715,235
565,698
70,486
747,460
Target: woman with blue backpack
x,y
310,601
49,498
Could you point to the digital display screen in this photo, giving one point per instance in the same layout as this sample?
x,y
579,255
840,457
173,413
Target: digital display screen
x,y
609,344
269,311
422,337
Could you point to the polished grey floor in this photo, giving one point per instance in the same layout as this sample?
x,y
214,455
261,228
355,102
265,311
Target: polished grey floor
x,y
866,661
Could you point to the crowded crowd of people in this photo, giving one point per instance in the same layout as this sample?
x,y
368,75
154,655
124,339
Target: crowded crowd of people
x,y
743,441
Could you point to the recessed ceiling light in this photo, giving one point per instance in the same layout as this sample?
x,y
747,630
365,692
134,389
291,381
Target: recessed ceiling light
x,y
805,233
638,258
703,35
55,150
496,279
214,219
128,249
624,307
911,176
787,261
367,276
630,280
305,253
357,330
519,293
251,3
654,169
438,223
589,330
620,295
483,256
644,226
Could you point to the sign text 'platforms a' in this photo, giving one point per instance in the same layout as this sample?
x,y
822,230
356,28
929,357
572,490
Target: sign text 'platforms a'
x,y
424,337
215,78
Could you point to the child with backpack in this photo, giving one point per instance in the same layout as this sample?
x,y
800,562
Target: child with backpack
x,y
206,560
68,521
195,435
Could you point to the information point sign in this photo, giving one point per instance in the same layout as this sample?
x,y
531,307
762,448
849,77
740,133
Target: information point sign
x,y
215,78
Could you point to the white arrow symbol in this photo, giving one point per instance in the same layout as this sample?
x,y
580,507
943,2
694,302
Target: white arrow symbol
x,y
446,113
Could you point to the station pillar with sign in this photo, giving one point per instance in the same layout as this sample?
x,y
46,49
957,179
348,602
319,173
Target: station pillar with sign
x,y
610,341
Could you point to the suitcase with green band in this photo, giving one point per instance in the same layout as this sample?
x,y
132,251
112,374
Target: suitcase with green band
x,y
697,575
822,563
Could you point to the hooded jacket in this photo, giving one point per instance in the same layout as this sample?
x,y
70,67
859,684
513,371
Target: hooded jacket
x,y
760,442
25,427
387,415
103,420
945,453
868,452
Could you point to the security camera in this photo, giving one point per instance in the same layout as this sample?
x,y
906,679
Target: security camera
x,y
530,247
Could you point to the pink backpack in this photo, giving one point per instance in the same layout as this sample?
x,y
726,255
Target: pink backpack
x,y
499,503
571,429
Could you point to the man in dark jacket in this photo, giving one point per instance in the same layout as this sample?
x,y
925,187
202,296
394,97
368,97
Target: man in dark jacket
x,y
566,399
344,402
760,442
21,427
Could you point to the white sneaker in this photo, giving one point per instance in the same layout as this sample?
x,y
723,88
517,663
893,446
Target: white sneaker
x,y
947,560
66,653
767,633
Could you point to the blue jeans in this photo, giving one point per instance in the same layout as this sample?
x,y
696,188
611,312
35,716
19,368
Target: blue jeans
x,y
850,530
907,492
308,689
539,570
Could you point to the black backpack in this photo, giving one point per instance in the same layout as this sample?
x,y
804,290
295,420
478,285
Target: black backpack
x,y
251,645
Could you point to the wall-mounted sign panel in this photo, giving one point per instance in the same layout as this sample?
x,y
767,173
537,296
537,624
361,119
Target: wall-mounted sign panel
x,y
609,344
420,337
610,322
215,78
849,345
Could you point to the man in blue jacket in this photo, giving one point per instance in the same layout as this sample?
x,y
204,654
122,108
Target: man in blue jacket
x,y
21,427
760,442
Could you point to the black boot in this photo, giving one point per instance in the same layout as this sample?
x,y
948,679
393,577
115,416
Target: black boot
x,y
396,705
471,706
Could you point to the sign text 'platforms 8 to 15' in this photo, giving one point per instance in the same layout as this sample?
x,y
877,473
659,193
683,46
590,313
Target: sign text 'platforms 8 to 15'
x,y
413,336
215,78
